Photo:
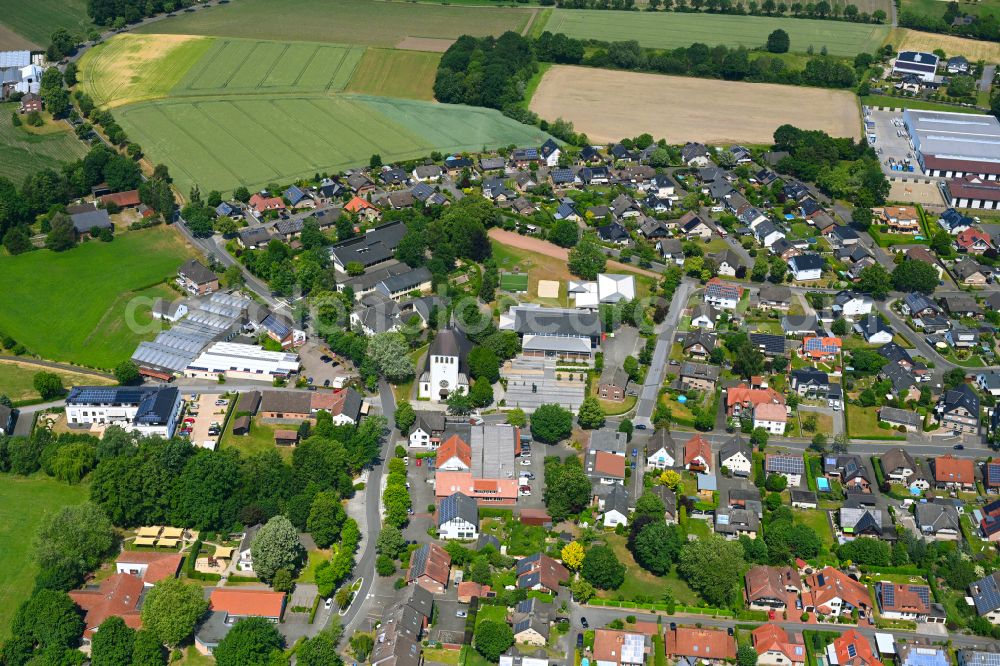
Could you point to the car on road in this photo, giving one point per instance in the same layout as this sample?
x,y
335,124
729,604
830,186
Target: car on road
x,y
524,493
959,447
325,358
525,487
328,604
406,460
326,382
579,641
525,461
584,623
309,380
420,461
635,452
528,475
641,426
189,420
461,613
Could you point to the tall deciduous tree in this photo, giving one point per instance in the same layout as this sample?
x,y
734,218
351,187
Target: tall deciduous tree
x,y
113,644
276,546
74,540
391,356
326,518
590,414
493,639
714,567
587,259
252,641
602,569
550,423
172,608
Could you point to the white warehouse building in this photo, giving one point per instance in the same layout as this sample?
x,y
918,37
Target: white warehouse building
x,y
240,361
954,145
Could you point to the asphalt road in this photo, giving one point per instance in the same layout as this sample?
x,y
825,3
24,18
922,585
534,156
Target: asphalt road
x,y
657,369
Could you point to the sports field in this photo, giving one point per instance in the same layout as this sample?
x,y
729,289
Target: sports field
x,y
367,22
973,49
672,29
72,306
24,502
392,73
36,20
515,283
131,68
607,105
220,143
23,152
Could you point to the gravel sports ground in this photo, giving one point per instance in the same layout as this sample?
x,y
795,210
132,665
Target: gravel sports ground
x,y
607,105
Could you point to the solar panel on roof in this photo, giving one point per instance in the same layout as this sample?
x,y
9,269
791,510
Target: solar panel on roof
x,y
785,464
852,651
921,591
888,594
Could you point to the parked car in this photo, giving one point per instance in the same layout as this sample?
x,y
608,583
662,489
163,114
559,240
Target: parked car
x,y
328,604
579,641
326,382
461,613
584,623
525,461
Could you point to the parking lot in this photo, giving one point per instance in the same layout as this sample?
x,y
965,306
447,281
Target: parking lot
x,y
328,371
204,416
891,142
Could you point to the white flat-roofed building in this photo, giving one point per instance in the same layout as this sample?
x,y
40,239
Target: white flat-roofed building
x,y
240,361
953,145
147,410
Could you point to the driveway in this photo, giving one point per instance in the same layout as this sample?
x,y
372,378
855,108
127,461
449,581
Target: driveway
x,y
657,370
620,346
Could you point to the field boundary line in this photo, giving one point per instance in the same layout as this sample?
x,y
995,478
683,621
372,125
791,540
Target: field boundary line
x,y
333,76
379,118
308,130
357,64
302,158
274,63
305,67
196,140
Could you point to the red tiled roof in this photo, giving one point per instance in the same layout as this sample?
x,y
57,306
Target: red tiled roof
x,y
117,596
697,447
768,637
862,650
159,565
357,204
608,645
744,395
454,447
437,566
769,411
933,162
973,187
968,237
949,469
129,198
247,603
609,464
261,204
837,585
700,643
905,598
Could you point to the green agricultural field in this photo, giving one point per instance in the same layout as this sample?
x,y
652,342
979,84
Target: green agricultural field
x,y
23,152
936,7
36,20
671,30
243,66
392,73
131,68
24,503
17,379
74,305
343,21
220,143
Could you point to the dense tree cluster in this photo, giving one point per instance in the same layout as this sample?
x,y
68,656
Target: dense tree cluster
x,y
817,10
841,167
486,71
117,13
567,488
985,25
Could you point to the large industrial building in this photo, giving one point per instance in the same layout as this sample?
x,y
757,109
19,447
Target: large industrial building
x,y
240,361
954,145
149,410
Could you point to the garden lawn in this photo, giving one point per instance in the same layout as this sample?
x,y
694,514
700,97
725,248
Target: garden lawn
x,y
526,539
491,613
16,379
220,143
910,103
342,21
24,503
23,151
72,306
862,422
393,73
260,439
442,656
641,583
38,19
669,30
817,521
314,558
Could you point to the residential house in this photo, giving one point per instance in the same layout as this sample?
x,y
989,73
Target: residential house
x,y
728,263
905,601
699,376
958,409
900,219
954,473
962,337
540,572
851,649
253,238
619,648
833,592
901,418
806,267
704,316
743,398
698,344
693,227
874,330
698,455
724,295
851,304
825,349
261,203
772,588
613,233
985,594
613,384
938,522
614,506
661,452
695,154
427,429
766,232
772,417
776,647
788,465
809,381
458,517
737,457
119,595
968,271
733,523
954,222
918,306
700,645
430,568
196,278
850,470
427,173
973,241
962,305
299,198
530,622
989,382
991,474
604,468
671,250
769,344
803,499
238,604
775,297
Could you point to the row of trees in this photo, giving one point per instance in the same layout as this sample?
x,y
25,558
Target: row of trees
x,y
818,10
117,13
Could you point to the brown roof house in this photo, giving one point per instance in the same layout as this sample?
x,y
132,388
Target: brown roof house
x,y
197,279
772,588
430,568
700,645
620,648
952,472
117,596
775,647
540,572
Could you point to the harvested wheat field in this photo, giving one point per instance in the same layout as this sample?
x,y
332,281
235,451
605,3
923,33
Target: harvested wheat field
x,y
608,105
973,49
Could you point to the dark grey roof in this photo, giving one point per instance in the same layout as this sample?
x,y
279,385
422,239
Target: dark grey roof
x,y
901,379
962,396
872,324
429,421
770,343
405,281
617,500
213,628
986,593
195,271
373,247
810,376
154,403
734,446
460,506
254,236
807,261
86,220
486,540
551,321
934,517
903,416
704,338
700,371
893,352
775,293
